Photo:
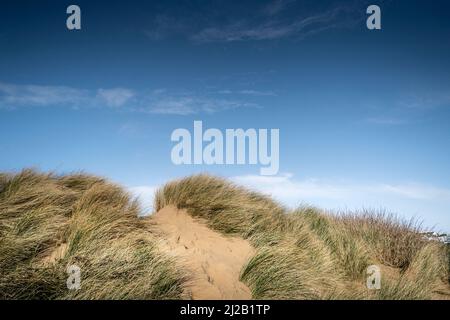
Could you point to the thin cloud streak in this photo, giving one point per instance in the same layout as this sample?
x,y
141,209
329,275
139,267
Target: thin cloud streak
x,y
271,29
158,101
189,105
265,22
409,200
13,96
285,186
115,97
248,92
410,109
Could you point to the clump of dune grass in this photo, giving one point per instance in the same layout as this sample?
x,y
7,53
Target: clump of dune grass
x,y
50,222
290,261
393,240
448,261
290,271
350,254
226,207
420,280
309,254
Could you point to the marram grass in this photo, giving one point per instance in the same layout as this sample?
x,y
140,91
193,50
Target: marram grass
x,y
96,224
49,222
308,254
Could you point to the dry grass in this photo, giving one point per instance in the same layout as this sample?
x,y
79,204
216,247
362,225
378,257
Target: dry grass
x,y
308,254
288,255
95,224
48,222
395,242
448,261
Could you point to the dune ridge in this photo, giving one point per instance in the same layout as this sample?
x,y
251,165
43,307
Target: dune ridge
x,y
49,222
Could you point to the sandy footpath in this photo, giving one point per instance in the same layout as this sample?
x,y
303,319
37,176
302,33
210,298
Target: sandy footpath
x,y
213,260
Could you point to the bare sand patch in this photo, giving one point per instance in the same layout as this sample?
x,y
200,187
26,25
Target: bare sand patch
x,y
213,260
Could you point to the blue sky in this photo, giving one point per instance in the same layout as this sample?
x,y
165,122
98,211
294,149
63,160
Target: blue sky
x,y
363,115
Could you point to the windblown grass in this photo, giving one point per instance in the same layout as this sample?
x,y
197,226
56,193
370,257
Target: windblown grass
x,y
395,242
308,254
448,261
288,255
50,222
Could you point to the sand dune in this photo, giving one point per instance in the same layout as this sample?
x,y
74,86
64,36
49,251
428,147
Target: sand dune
x,y
213,260
208,239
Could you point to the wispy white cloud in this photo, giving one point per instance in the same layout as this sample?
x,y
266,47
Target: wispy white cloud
x,y
408,108
193,104
287,188
115,97
13,96
257,93
415,191
241,31
273,28
174,105
292,191
249,92
426,202
159,101
266,21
